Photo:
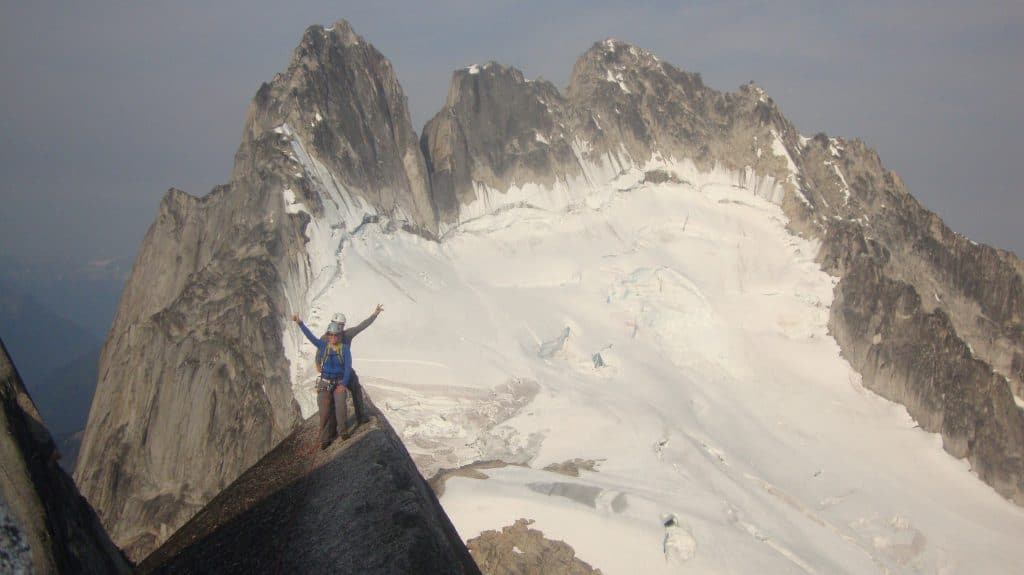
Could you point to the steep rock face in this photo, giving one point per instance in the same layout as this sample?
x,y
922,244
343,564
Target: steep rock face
x,y
625,110
193,363
496,130
45,525
358,507
915,357
340,102
194,383
970,293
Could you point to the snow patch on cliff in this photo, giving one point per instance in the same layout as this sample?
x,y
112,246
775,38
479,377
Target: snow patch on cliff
x,y
793,179
327,231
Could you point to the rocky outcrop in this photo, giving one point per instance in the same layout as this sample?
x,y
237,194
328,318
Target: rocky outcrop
x,y
45,525
358,507
194,383
497,130
520,549
572,467
915,357
439,479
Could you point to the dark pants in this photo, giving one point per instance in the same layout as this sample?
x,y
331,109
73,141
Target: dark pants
x,y
357,398
332,403
333,413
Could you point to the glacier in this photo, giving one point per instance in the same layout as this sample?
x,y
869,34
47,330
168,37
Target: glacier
x,y
728,433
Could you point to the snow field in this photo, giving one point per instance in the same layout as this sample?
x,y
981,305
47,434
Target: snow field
x,y
730,434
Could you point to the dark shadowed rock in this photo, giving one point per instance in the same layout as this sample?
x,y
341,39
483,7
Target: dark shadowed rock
x,y
519,550
358,507
45,525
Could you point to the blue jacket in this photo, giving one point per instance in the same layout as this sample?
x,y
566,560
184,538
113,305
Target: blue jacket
x,y
334,367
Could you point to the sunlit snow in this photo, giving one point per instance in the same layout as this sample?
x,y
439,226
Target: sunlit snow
x,y
291,204
728,434
616,78
779,149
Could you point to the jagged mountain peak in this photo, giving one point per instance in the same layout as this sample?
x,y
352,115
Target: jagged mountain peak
x,y
343,31
629,68
491,67
752,90
624,53
497,128
327,55
317,38
333,46
339,113
472,79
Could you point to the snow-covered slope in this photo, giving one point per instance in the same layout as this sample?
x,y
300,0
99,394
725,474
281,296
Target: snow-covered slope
x,y
674,334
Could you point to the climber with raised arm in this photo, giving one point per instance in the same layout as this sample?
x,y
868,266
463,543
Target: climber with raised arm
x,y
334,362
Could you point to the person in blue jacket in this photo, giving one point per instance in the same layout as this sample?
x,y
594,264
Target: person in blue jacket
x,y
334,361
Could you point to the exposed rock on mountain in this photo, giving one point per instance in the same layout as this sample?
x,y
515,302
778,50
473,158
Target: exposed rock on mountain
x,y
358,507
572,467
194,384
496,130
502,139
517,549
931,319
437,482
916,358
340,108
628,102
45,525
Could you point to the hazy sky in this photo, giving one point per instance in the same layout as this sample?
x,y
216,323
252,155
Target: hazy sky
x,y
106,103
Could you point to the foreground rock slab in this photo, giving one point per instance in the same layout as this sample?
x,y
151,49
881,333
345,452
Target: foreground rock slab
x,y
360,506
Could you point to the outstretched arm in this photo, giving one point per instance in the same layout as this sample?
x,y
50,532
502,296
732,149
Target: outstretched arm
x,y
354,331
309,335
